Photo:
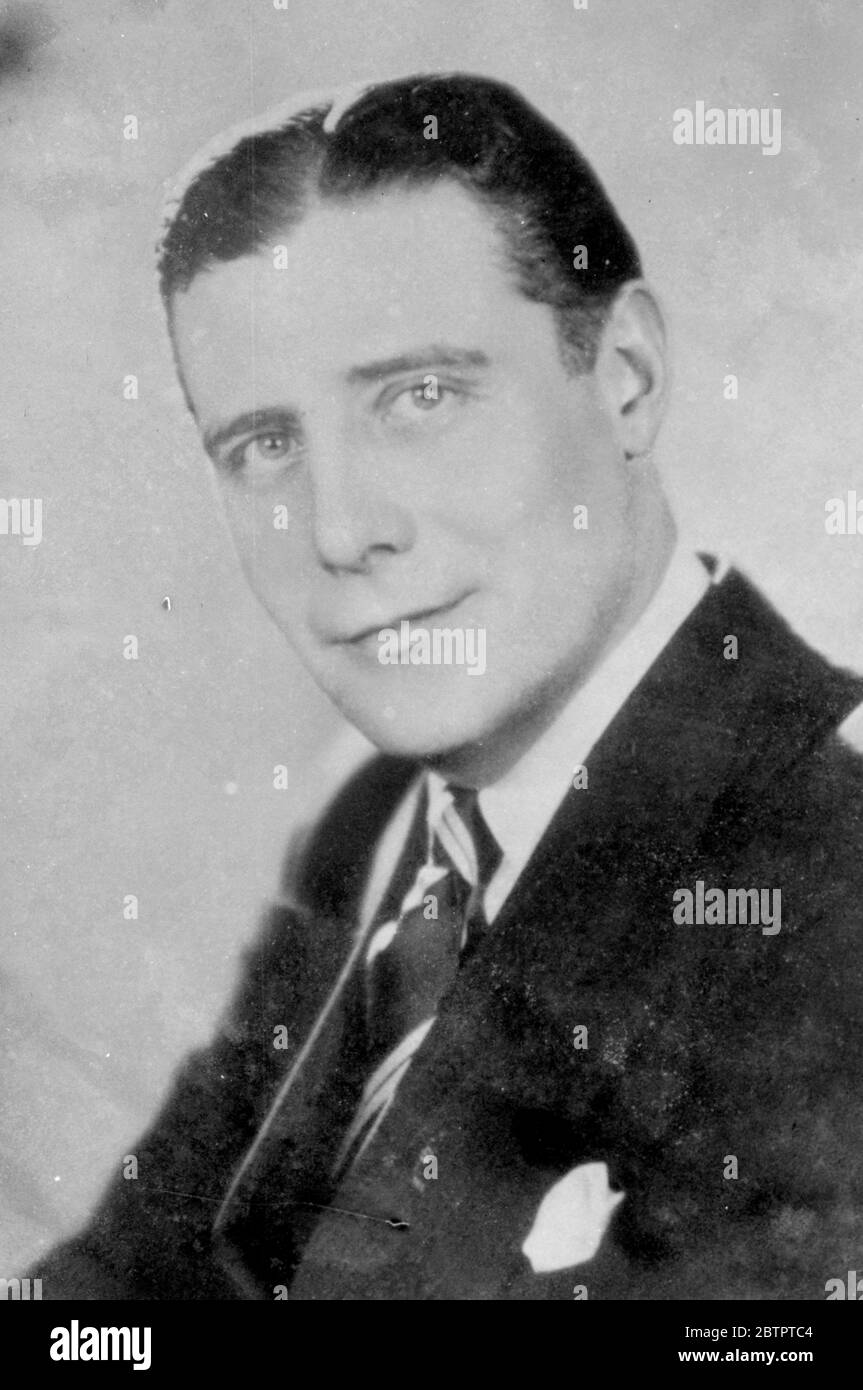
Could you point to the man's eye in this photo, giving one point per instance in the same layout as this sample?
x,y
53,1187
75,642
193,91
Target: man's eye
x,y
427,397
263,449
410,404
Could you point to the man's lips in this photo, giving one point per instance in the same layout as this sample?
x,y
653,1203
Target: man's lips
x,y
414,616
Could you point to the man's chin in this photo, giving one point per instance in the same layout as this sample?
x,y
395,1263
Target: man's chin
x,y
407,741
425,735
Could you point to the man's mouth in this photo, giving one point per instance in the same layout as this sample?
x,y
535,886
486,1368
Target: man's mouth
x,y
369,635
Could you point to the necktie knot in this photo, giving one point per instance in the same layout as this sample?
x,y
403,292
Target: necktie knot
x,y
459,830
487,851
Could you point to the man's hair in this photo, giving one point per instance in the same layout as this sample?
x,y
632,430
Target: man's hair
x,y
540,192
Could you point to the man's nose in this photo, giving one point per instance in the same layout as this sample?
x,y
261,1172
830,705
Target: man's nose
x,y
360,513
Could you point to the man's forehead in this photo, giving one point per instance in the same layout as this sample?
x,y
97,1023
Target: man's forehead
x,y
357,275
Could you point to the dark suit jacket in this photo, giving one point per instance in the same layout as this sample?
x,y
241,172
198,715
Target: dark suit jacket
x,y
703,1042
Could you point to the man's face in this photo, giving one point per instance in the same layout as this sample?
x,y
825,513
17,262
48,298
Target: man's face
x,y
391,393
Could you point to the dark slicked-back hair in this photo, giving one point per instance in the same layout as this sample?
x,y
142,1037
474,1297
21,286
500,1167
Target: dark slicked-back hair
x,y
540,192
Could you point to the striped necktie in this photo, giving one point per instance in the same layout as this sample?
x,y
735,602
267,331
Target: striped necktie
x,y
412,959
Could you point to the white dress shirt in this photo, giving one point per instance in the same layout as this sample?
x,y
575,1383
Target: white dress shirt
x,y
519,807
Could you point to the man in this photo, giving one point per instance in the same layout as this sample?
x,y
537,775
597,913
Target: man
x,y
570,975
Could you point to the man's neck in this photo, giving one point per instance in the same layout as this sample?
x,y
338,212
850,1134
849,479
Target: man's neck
x,y
481,763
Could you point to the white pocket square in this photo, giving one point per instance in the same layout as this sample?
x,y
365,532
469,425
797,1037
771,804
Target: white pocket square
x,y
573,1217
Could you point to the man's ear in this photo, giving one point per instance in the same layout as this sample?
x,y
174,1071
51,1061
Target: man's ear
x,y
632,368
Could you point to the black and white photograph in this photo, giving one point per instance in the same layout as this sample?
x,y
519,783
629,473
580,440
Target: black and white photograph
x,y
431,546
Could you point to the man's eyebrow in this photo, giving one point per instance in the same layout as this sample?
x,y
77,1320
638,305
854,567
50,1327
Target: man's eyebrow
x,y
271,418
275,418
423,360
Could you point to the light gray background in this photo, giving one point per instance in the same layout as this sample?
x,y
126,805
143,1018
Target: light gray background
x,y
115,772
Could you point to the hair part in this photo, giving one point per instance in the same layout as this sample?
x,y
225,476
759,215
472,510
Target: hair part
x,y
541,193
